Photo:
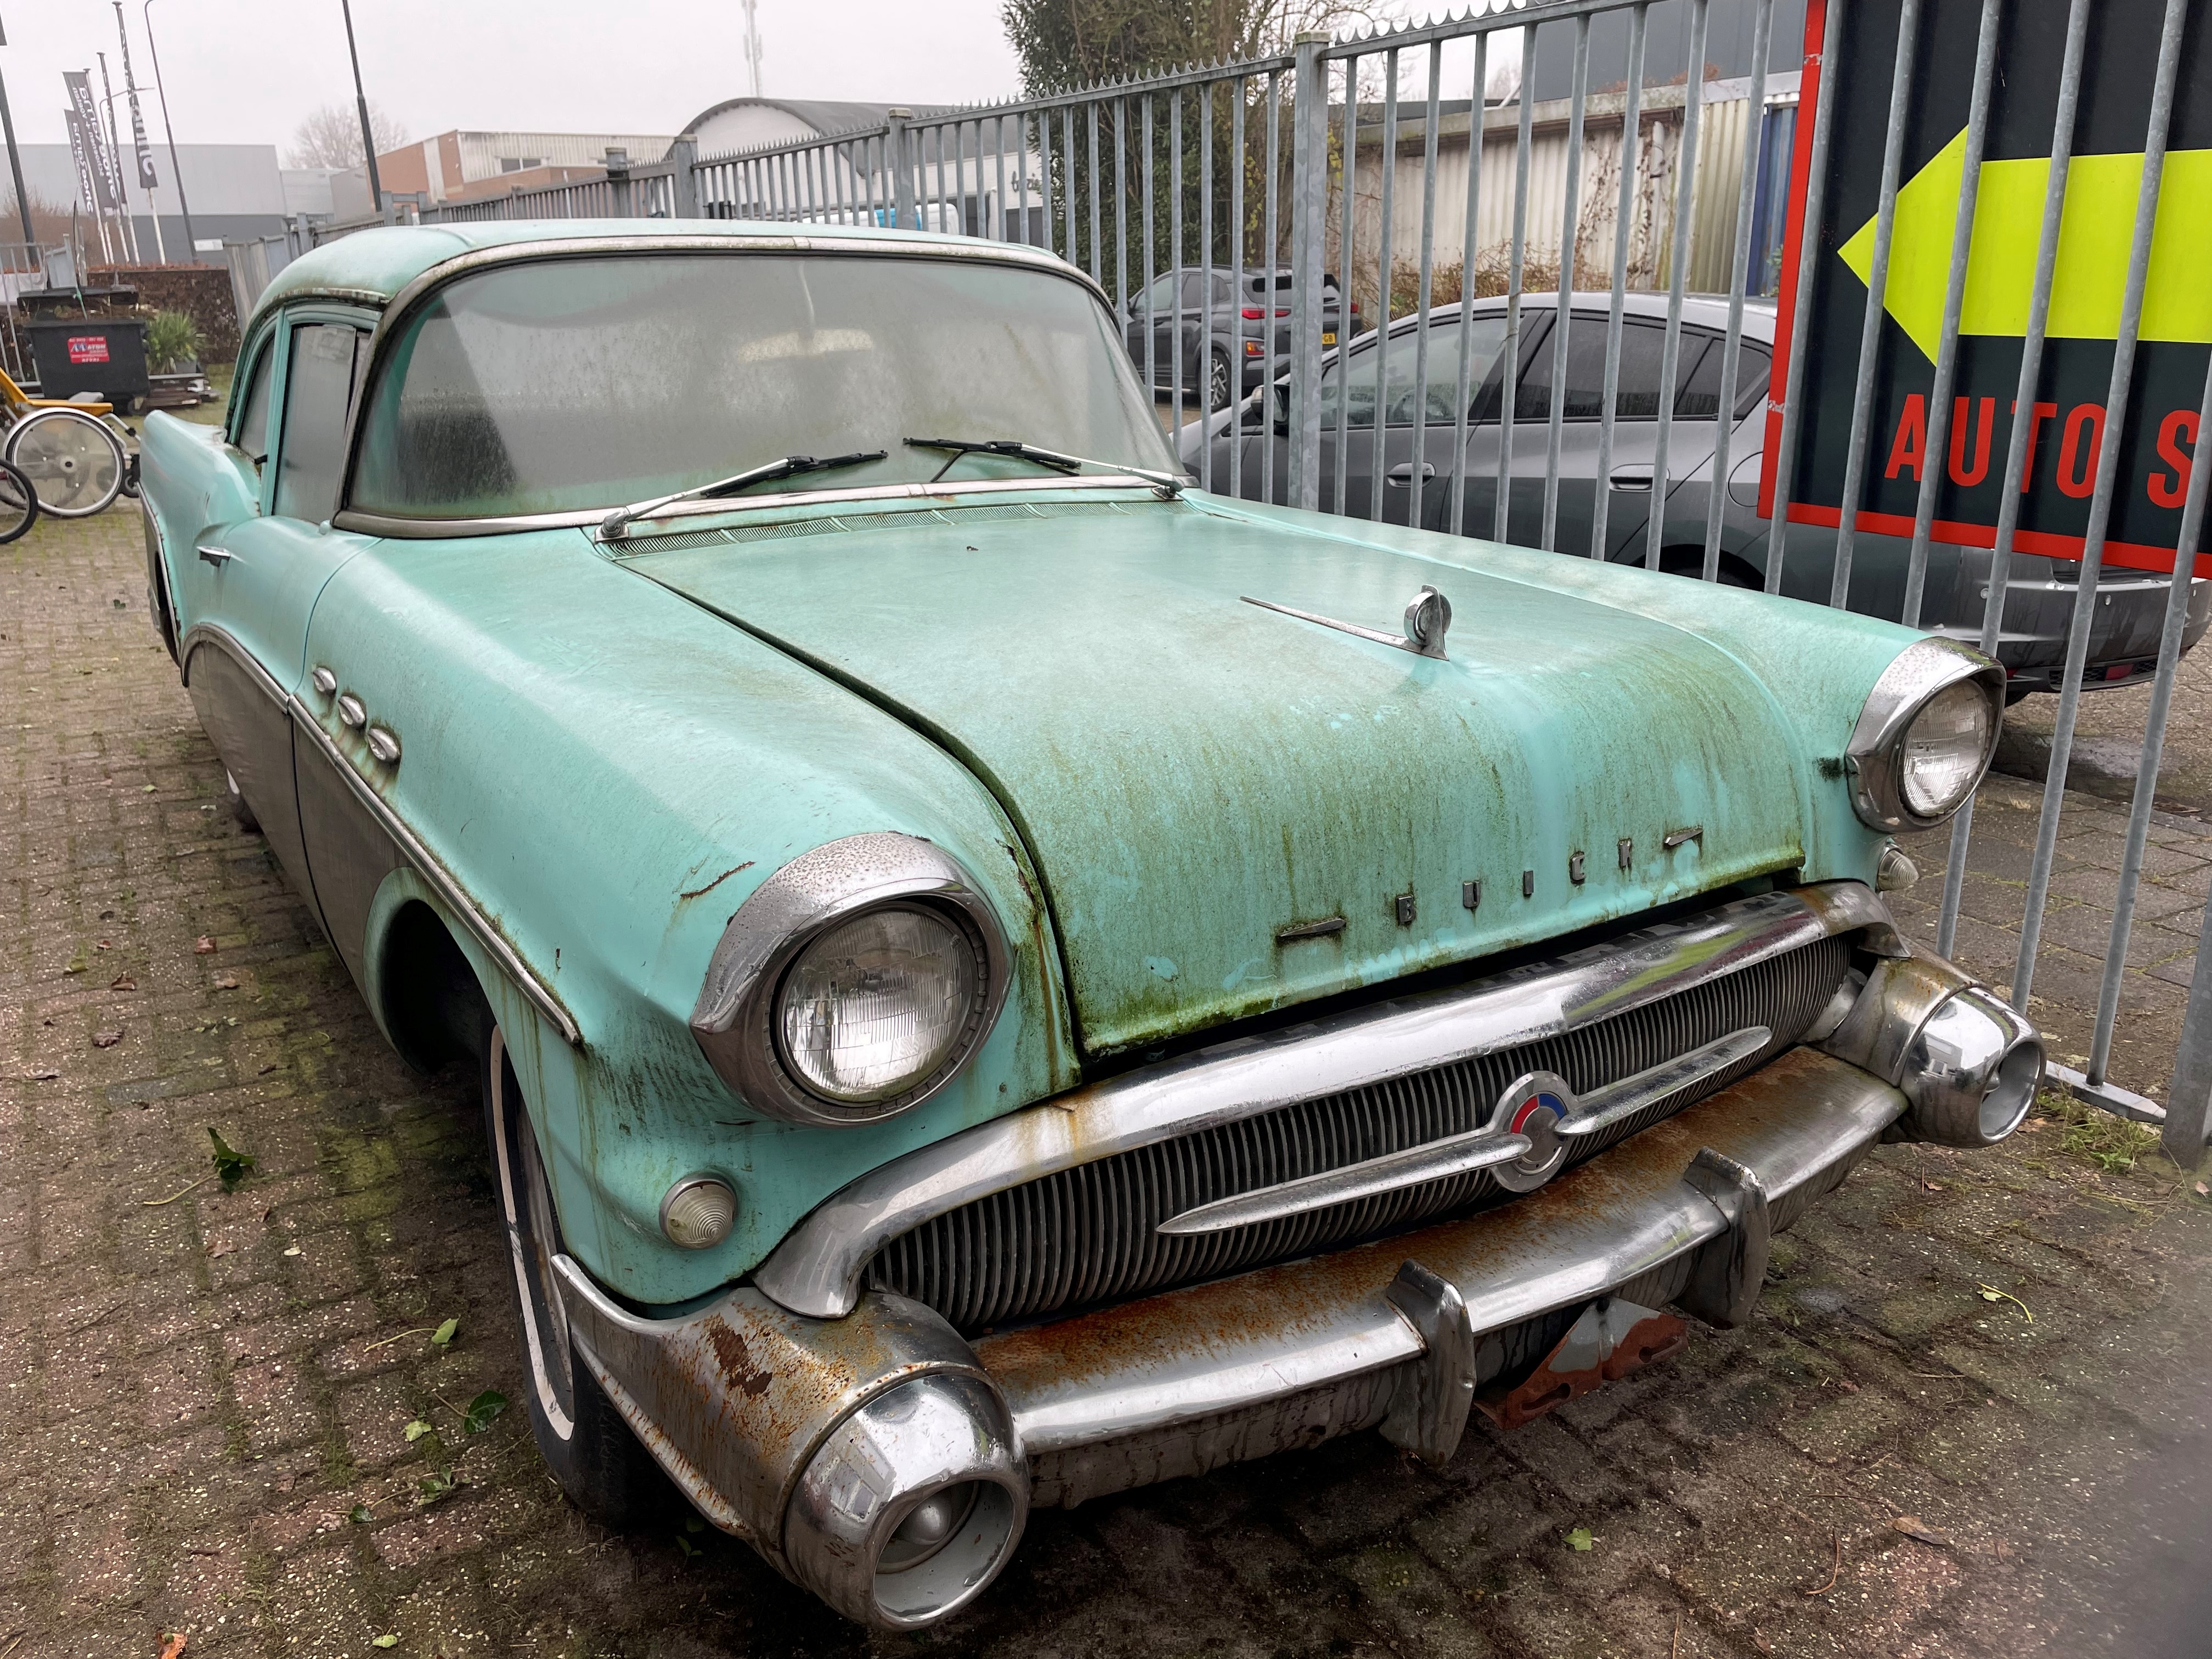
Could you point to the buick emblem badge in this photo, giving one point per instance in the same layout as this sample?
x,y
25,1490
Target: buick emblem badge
x,y
1534,1104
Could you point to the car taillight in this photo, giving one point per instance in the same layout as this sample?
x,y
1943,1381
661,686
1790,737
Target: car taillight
x,y
1256,314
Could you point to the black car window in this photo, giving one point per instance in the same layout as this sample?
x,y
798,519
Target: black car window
x,y
1193,289
253,423
1160,296
317,391
1643,348
1353,379
1700,397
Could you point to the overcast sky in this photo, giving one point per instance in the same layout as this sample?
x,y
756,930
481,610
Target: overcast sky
x,y
246,71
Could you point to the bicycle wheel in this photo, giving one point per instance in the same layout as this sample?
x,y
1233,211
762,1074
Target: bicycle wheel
x,y
73,462
18,503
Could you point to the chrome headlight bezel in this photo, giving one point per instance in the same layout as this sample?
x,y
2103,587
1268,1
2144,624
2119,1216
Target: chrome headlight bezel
x,y
735,1020
1874,756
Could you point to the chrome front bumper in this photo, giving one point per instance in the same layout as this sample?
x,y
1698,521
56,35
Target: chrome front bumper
x,y
821,1440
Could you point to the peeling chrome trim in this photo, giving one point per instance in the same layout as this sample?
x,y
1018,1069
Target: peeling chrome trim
x,y
394,525
815,1270
427,866
1921,670
204,633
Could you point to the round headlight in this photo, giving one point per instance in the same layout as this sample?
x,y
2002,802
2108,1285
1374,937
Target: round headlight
x,y
1924,737
875,1005
1940,760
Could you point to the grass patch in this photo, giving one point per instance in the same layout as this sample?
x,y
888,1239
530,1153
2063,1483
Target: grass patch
x,y
2112,1144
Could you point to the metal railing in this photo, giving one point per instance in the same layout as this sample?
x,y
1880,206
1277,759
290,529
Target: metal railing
x,y
1377,167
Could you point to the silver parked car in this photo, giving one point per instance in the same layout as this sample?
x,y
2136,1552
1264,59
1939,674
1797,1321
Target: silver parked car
x,y
2040,591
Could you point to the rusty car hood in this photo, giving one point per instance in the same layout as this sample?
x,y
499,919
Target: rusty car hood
x,y
1233,809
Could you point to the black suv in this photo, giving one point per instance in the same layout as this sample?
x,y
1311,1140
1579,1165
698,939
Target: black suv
x,y
1169,316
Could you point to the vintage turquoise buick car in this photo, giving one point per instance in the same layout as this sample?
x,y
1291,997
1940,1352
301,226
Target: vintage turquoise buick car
x,y
999,977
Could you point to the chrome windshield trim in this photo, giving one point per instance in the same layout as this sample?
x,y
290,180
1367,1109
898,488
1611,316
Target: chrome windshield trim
x,y
816,1269
392,524
419,287
428,864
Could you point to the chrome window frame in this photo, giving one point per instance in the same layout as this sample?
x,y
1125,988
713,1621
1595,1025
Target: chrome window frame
x,y
420,288
1921,670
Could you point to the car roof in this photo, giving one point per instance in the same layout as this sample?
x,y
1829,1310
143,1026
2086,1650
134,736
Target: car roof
x,y
1703,310
371,266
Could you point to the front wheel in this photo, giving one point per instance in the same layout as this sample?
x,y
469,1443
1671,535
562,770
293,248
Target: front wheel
x,y
588,1444
75,464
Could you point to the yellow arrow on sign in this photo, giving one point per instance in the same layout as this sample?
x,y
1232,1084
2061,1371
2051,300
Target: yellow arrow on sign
x,y
2095,235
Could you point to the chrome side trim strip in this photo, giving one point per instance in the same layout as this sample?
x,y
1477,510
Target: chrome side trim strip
x,y
394,525
200,634
427,866
815,1270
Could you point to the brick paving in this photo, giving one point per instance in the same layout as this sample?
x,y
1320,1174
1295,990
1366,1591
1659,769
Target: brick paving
x,y
204,1389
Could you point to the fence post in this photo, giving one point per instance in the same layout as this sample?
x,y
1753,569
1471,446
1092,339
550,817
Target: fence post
x,y
684,182
902,213
1309,205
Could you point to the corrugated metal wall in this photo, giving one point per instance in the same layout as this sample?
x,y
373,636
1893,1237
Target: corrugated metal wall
x,y
1713,198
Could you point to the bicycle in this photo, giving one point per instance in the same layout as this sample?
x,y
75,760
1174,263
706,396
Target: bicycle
x,y
18,503
70,451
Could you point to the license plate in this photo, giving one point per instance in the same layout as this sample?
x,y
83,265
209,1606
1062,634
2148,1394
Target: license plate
x,y
1329,336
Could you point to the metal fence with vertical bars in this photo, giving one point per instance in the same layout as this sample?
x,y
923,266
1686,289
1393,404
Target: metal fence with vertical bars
x,y
1384,168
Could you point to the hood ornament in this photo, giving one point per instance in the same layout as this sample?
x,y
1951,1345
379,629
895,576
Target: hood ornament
x,y
1428,618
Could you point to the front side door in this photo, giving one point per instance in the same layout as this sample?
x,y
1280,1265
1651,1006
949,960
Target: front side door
x,y
1389,481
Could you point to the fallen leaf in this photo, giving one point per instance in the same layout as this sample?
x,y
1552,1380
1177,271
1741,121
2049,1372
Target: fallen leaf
x,y
106,945
415,1430
481,1410
1759,1640
443,1336
2203,1191
105,1039
389,1640
1913,1526
230,1163
226,983
1580,1539
291,1250
203,946
175,1645
143,789
123,982
1991,1293
359,1516
215,1250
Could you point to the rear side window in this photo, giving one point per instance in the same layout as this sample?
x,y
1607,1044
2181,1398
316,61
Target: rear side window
x,y
318,392
1643,354
253,423
1701,398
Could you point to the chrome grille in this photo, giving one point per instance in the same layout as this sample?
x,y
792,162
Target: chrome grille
x,y
1088,1235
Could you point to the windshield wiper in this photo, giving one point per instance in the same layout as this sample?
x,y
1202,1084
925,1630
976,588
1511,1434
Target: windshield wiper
x,y
790,466
1020,450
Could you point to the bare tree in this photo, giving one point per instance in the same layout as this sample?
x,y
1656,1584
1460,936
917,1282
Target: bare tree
x,y
331,137
1066,43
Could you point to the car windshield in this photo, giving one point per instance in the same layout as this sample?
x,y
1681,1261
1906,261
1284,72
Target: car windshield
x,y
569,384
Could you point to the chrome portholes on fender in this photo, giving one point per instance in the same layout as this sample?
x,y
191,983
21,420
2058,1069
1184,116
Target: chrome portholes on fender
x,y
1926,735
854,983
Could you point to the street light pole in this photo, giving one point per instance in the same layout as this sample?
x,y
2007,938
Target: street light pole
x,y
147,13
16,162
361,99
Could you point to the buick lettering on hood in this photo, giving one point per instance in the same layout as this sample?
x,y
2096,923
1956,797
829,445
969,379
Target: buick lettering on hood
x,y
998,976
